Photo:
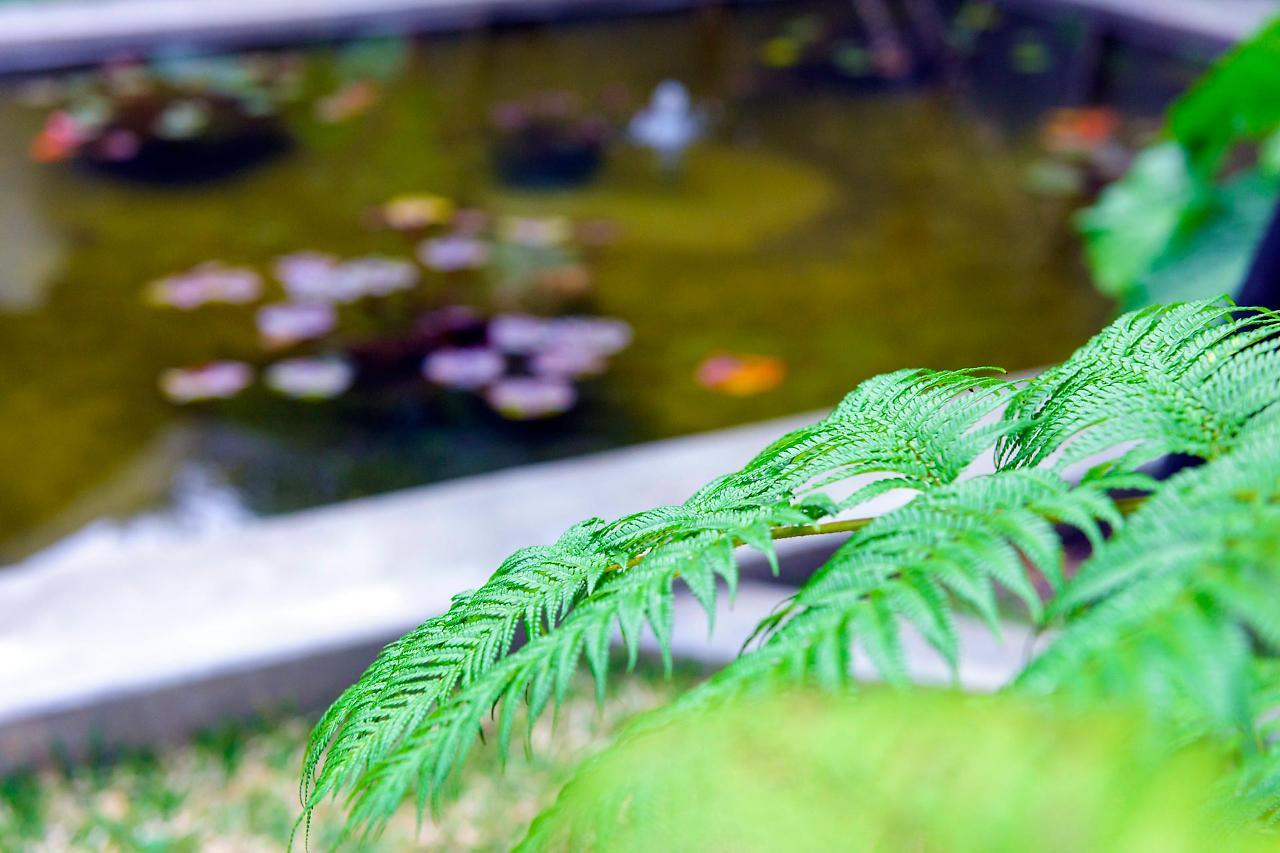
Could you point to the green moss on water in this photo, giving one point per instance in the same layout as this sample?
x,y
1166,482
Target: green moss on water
x,y
844,234
727,201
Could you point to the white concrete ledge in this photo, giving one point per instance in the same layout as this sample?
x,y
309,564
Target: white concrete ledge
x,y
1221,21
45,34
151,639
81,631
49,34
155,639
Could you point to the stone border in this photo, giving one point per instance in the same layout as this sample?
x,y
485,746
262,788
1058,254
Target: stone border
x,y
49,34
163,639
172,713
1159,23
84,631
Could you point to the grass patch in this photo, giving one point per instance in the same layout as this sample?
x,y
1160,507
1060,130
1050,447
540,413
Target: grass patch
x,y
235,788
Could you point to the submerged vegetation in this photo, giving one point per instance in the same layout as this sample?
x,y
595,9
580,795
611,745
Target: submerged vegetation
x,y
806,230
1173,612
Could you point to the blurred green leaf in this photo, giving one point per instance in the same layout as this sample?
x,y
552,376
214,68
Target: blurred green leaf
x,y
1174,227
805,772
1136,217
1212,250
1238,99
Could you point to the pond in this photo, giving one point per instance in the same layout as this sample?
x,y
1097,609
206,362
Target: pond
x,y
815,232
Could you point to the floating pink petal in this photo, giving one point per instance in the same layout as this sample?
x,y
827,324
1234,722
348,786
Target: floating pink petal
x,y
464,368
289,323
509,116
311,378
453,253
565,281
739,375
61,136
599,334
213,381
522,398
569,362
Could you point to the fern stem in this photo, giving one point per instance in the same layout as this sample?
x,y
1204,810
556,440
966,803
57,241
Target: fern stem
x,y
847,526
1126,506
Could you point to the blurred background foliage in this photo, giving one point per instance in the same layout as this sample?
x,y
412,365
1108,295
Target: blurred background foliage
x,y
1185,221
919,771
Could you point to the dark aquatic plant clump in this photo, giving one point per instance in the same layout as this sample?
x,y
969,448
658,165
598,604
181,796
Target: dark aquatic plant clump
x,y
1174,611
550,141
172,121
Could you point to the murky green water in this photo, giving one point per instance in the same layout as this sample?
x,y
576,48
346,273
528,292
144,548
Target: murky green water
x,y
844,233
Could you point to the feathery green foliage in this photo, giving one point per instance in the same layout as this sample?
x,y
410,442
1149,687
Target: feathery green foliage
x,y
1176,606
1178,379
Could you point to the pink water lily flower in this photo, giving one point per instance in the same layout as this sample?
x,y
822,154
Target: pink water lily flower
x,y
208,282
375,276
288,323
520,398
306,275
311,378
464,368
600,334
452,253
569,362
316,277
61,137
213,381
518,333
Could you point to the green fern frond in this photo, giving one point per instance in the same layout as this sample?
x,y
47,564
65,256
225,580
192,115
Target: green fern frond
x,y
877,429
539,673
532,587
951,545
1177,606
1256,787
1197,378
1184,378
920,427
